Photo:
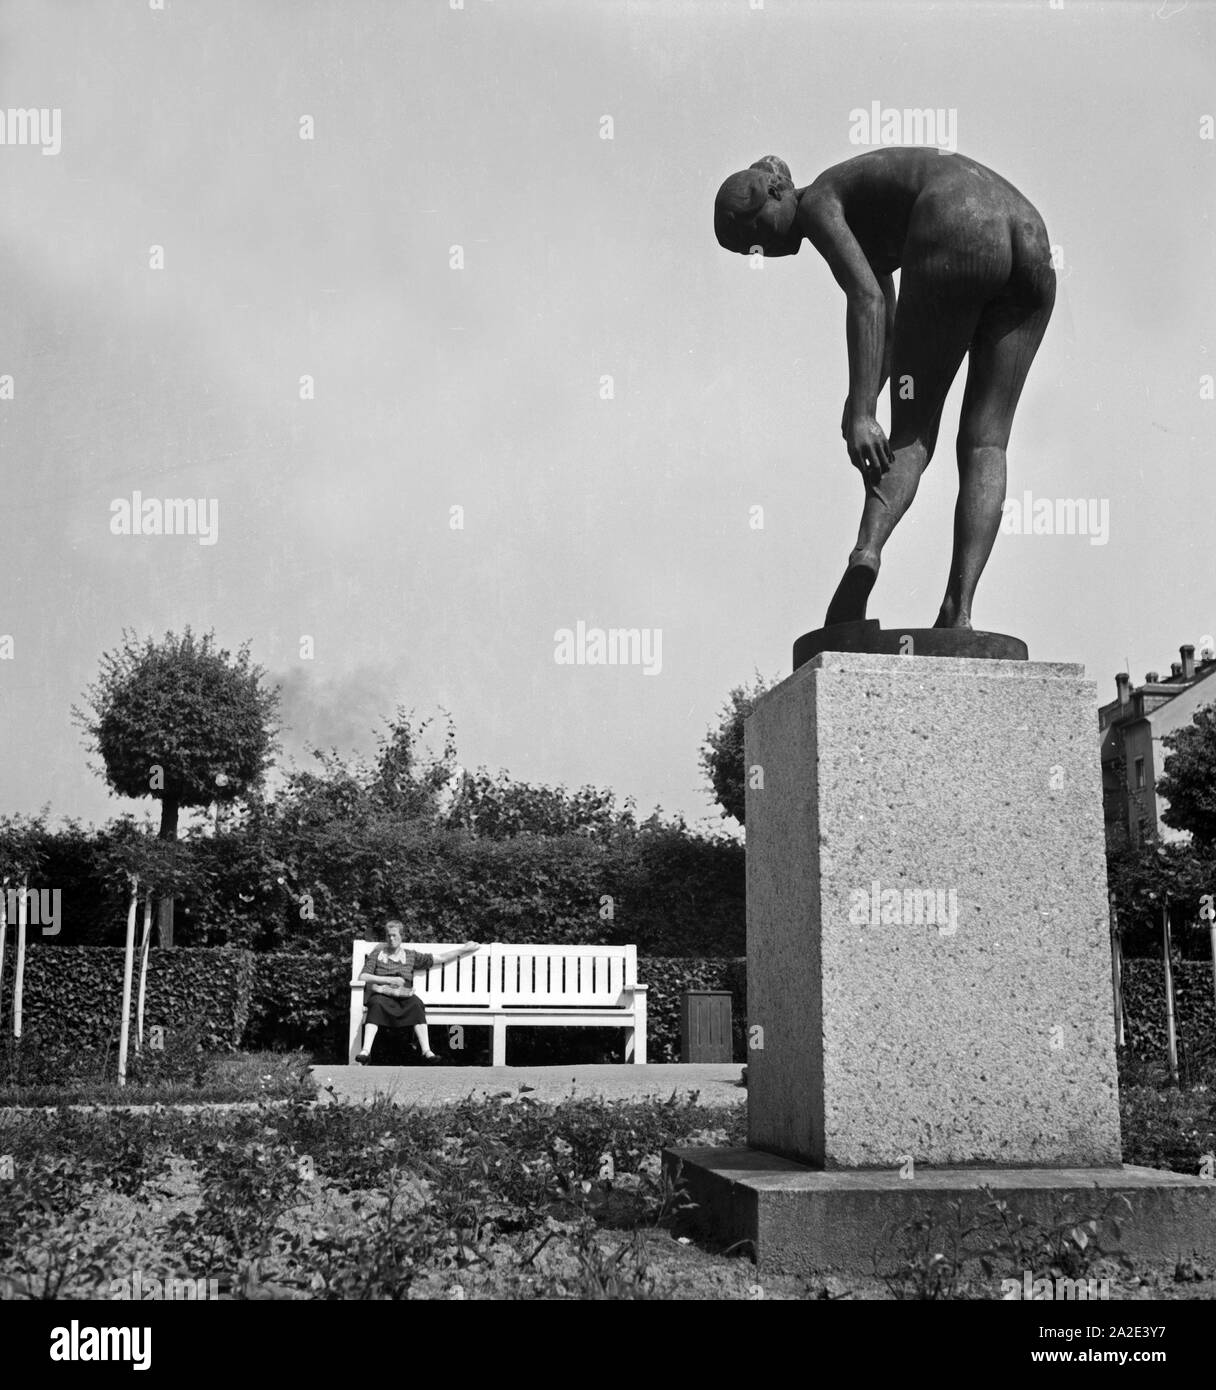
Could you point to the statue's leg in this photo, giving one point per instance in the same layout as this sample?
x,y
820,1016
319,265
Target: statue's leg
x,y
933,325
1006,340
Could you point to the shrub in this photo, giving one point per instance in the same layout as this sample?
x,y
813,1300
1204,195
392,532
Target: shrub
x,y
968,1249
73,995
245,1191
290,877
668,979
1167,1127
299,1000
48,1249
1144,1010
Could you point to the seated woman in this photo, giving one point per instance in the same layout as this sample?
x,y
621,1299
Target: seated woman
x,y
388,973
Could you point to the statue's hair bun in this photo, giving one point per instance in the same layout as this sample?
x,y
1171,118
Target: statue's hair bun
x,y
772,164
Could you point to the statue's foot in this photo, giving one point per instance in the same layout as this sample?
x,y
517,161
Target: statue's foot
x,y
848,603
951,617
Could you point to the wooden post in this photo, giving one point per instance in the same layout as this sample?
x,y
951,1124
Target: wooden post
x,y
164,923
1116,972
1208,911
3,933
128,962
1211,933
1171,1028
143,974
19,977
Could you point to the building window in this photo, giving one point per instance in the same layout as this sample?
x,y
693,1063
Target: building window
x,y
1139,772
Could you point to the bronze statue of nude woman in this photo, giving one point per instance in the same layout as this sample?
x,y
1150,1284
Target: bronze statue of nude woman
x,y
976,279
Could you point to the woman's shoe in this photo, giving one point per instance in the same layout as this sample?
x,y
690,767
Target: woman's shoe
x,y
362,1059
430,1056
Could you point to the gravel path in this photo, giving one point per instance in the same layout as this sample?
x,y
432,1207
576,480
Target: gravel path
x,y
717,1083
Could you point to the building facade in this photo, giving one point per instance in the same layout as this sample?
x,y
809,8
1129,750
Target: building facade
x,y
1133,727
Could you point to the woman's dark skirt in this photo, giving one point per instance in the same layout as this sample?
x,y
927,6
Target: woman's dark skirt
x,y
385,1011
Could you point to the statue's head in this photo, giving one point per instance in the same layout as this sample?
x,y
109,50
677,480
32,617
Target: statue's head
x,y
756,207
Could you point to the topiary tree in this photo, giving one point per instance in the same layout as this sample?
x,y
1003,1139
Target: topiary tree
x,y
1143,879
183,722
1189,783
137,863
722,751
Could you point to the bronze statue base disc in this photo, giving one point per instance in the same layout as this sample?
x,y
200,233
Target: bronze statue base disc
x,y
869,636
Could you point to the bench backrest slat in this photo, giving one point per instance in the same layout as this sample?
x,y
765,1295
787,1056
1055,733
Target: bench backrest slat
x,y
582,977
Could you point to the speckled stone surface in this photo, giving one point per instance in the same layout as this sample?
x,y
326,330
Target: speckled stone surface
x,y
981,1033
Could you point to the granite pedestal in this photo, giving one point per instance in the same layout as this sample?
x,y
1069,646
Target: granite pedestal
x,y
928,938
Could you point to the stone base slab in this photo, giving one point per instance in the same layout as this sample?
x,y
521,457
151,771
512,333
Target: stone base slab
x,y
803,1220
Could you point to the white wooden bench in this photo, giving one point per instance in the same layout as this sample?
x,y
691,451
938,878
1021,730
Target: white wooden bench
x,y
504,986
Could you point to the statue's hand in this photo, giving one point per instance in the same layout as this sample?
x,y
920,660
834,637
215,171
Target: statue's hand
x,y
869,451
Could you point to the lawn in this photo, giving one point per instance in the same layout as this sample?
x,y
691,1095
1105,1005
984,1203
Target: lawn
x,y
218,1077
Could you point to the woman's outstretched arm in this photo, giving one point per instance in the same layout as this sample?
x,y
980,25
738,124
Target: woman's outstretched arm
x,y
446,957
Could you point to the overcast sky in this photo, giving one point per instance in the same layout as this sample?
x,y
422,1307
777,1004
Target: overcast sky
x,y
483,388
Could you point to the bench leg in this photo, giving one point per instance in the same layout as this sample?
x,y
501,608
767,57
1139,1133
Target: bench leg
x,y
635,1037
356,1036
498,1048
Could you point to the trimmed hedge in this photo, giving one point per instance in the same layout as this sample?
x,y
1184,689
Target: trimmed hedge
x,y
286,1000
299,1001
670,891
1143,1001
667,979
75,993
1144,1009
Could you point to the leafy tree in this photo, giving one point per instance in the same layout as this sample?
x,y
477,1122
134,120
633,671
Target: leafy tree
x,y
406,833
139,864
722,751
183,722
22,848
125,850
316,864
1145,878
406,779
1189,783
499,808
